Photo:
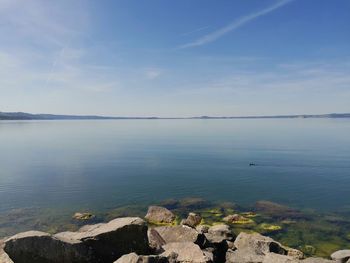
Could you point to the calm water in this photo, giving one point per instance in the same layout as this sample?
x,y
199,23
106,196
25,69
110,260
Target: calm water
x,y
98,165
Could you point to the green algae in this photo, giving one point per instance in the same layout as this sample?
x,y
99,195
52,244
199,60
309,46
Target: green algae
x,y
315,234
269,227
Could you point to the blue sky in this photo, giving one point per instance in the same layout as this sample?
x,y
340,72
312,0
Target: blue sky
x,y
175,58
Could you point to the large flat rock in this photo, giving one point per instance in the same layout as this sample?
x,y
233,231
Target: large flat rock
x,y
179,234
341,256
186,252
99,243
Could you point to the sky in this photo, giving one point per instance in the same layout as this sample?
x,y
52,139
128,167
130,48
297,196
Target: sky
x,y
175,58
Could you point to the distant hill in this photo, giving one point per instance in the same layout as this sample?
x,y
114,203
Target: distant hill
x,y
331,115
29,116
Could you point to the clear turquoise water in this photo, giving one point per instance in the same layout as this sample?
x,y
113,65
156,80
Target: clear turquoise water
x,y
99,165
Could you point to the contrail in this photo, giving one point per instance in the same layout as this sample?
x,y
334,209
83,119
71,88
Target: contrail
x,y
234,25
54,63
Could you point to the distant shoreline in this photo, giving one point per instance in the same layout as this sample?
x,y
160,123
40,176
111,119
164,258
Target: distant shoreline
x,y
29,116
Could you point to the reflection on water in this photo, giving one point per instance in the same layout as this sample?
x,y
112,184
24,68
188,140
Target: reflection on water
x,y
309,231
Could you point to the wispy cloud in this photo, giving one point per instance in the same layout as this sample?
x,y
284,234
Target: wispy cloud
x,y
235,25
195,31
152,73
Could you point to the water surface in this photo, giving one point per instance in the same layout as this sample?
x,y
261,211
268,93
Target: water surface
x,y
101,164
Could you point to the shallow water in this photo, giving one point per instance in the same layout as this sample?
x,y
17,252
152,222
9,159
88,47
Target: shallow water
x,y
64,166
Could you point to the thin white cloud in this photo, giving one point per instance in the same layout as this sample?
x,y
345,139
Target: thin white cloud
x,y
153,73
195,30
235,25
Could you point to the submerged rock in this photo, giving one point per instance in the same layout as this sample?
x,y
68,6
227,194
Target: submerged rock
x,y
192,220
186,252
237,219
185,204
83,216
341,256
269,228
277,210
159,215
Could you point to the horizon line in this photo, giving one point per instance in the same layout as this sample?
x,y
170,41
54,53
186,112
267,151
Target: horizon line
x,y
43,116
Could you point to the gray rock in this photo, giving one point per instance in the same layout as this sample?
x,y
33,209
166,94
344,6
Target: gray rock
x,y
192,220
186,252
134,258
297,254
276,258
316,260
341,256
180,234
258,244
243,257
112,240
202,229
4,258
101,243
40,247
155,241
219,233
158,214
218,237
230,245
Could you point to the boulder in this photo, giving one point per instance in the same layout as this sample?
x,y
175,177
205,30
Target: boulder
x,y
159,215
186,252
237,256
192,220
202,229
258,244
316,260
4,258
155,241
341,256
276,258
100,243
112,240
219,233
297,254
134,258
180,234
219,238
40,247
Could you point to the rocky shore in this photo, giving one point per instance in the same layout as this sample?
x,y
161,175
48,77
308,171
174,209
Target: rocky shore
x,y
157,238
